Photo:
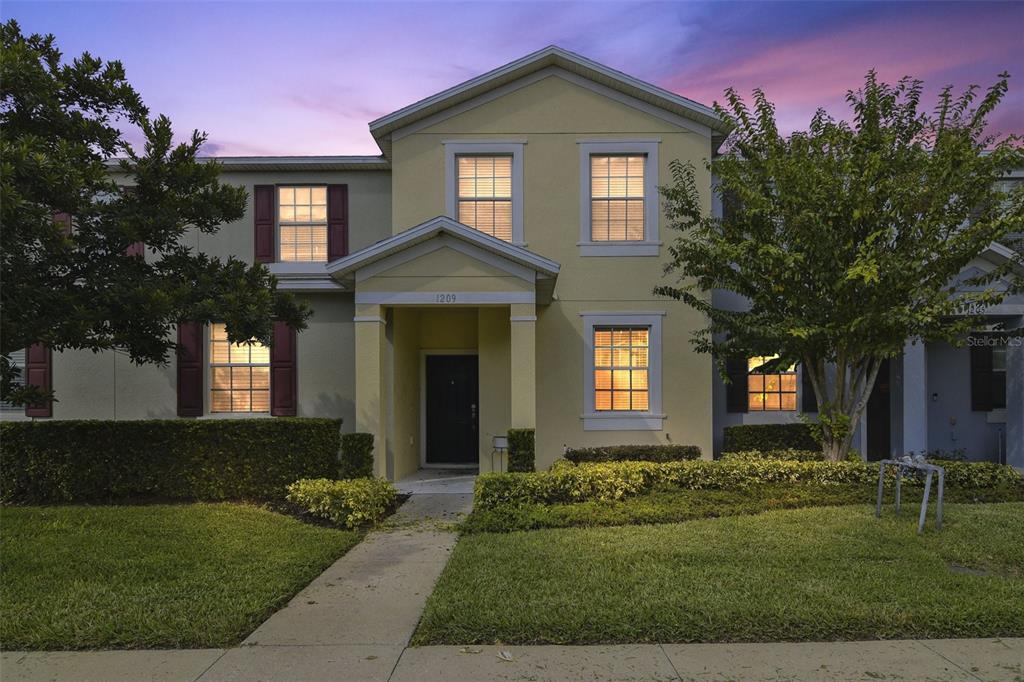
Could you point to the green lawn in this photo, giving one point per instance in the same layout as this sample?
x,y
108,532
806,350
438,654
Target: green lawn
x,y
809,574
189,575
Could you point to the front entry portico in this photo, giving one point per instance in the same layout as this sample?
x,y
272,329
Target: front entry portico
x,y
445,343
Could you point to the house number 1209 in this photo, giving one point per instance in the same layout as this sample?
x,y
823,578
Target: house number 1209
x,y
444,298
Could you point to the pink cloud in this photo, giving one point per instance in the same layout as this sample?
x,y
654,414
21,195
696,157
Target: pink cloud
x,y
800,75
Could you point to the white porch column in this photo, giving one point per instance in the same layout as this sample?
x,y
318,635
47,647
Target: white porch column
x,y
371,416
523,342
915,398
1015,404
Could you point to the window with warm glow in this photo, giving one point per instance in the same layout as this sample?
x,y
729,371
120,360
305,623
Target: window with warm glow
x,y
770,392
485,194
302,223
621,363
617,198
239,374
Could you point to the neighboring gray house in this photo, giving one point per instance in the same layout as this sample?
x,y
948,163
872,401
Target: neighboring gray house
x,y
934,397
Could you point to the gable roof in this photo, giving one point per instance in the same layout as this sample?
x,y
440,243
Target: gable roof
x,y
551,56
344,268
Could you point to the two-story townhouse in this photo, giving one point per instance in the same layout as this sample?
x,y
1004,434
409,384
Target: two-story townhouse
x,y
493,268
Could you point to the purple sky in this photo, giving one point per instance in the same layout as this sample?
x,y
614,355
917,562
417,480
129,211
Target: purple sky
x,y
306,78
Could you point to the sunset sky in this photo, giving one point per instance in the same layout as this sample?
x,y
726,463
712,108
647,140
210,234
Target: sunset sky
x,y
273,78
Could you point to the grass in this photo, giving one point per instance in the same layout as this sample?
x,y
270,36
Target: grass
x,y
674,505
825,573
159,576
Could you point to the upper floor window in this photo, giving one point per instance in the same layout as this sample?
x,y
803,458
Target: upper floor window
x,y
484,186
302,223
485,194
770,391
239,374
619,198
616,198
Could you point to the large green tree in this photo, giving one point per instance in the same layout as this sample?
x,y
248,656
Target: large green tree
x,y
847,239
63,151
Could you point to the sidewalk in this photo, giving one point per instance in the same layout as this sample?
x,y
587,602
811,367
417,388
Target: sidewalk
x,y
354,622
940,660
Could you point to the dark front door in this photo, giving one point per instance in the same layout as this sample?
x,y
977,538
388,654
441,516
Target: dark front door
x,y
452,400
879,419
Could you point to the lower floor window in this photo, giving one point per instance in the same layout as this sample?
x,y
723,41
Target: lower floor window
x,y
770,391
621,362
239,374
998,377
17,360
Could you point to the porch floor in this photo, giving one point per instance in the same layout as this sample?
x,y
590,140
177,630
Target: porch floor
x,y
438,482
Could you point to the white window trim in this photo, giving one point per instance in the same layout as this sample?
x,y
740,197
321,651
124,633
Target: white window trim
x,y
651,244
513,148
620,420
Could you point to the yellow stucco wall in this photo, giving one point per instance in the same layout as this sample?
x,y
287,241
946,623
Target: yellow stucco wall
x,y
444,270
369,197
109,386
552,116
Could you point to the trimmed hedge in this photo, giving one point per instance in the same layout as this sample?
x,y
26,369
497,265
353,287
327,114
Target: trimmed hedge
x,y
797,455
795,436
633,453
567,483
215,459
521,450
352,503
356,455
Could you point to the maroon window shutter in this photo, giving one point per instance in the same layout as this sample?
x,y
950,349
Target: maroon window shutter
x,y
283,380
981,378
39,373
190,369
263,215
736,396
337,221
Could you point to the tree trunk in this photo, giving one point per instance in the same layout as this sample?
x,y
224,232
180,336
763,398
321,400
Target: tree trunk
x,y
841,402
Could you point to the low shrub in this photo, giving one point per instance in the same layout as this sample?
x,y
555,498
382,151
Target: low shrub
x,y
350,503
609,481
790,454
633,453
521,450
172,459
356,455
662,505
796,436
787,454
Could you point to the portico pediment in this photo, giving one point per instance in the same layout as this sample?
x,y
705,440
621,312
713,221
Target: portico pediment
x,y
444,261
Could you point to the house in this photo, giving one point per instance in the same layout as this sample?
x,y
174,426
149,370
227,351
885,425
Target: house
x,y
493,268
